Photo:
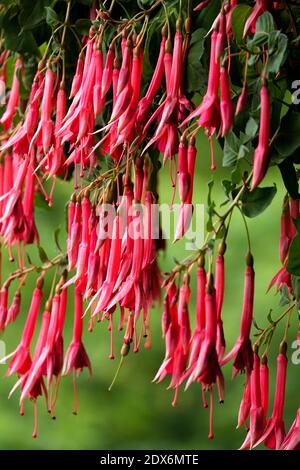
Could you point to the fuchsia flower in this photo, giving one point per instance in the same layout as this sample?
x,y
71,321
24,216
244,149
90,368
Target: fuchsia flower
x,y
292,439
209,110
14,97
76,357
257,415
3,305
207,369
242,350
227,107
274,432
220,288
21,361
262,153
259,8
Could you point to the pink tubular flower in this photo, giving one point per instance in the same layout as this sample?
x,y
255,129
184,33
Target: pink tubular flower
x,y
292,439
227,108
242,100
245,405
264,384
14,97
220,288
259,8
274,433
14,309
3,305
207,369
242,350
262,151
257,417
76,357
21,360
209,109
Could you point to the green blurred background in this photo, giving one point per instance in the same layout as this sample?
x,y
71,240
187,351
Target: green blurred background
x,y
137,414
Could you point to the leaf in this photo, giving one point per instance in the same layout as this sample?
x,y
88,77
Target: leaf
x,y
51,17
251,128
228,187
40,201
293,264
42,254
194,74
256,201
288,139
211,206
265,23
56,239
296,288
289,177
277,58
284,296
33,13
233,150
83,25
23,92
238,19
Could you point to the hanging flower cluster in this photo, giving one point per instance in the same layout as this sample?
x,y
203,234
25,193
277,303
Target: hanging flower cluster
x,y
101,120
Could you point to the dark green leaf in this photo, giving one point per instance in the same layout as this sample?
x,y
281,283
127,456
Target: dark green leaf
x,y
51,17
211,206
288,139
284,296
289,176
238,19
293,264
296,287
194,69
256,201
56,239
33,13
83,25
42,254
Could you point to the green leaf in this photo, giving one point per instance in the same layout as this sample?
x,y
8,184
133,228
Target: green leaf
x,y
288,139
293,264
211,205
33,13
238,19
277,58
265,23
251,128
233,150
83,25
284,296
296,289
42,254
51,17
56,239
256,201
289,177
194,74
24,93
